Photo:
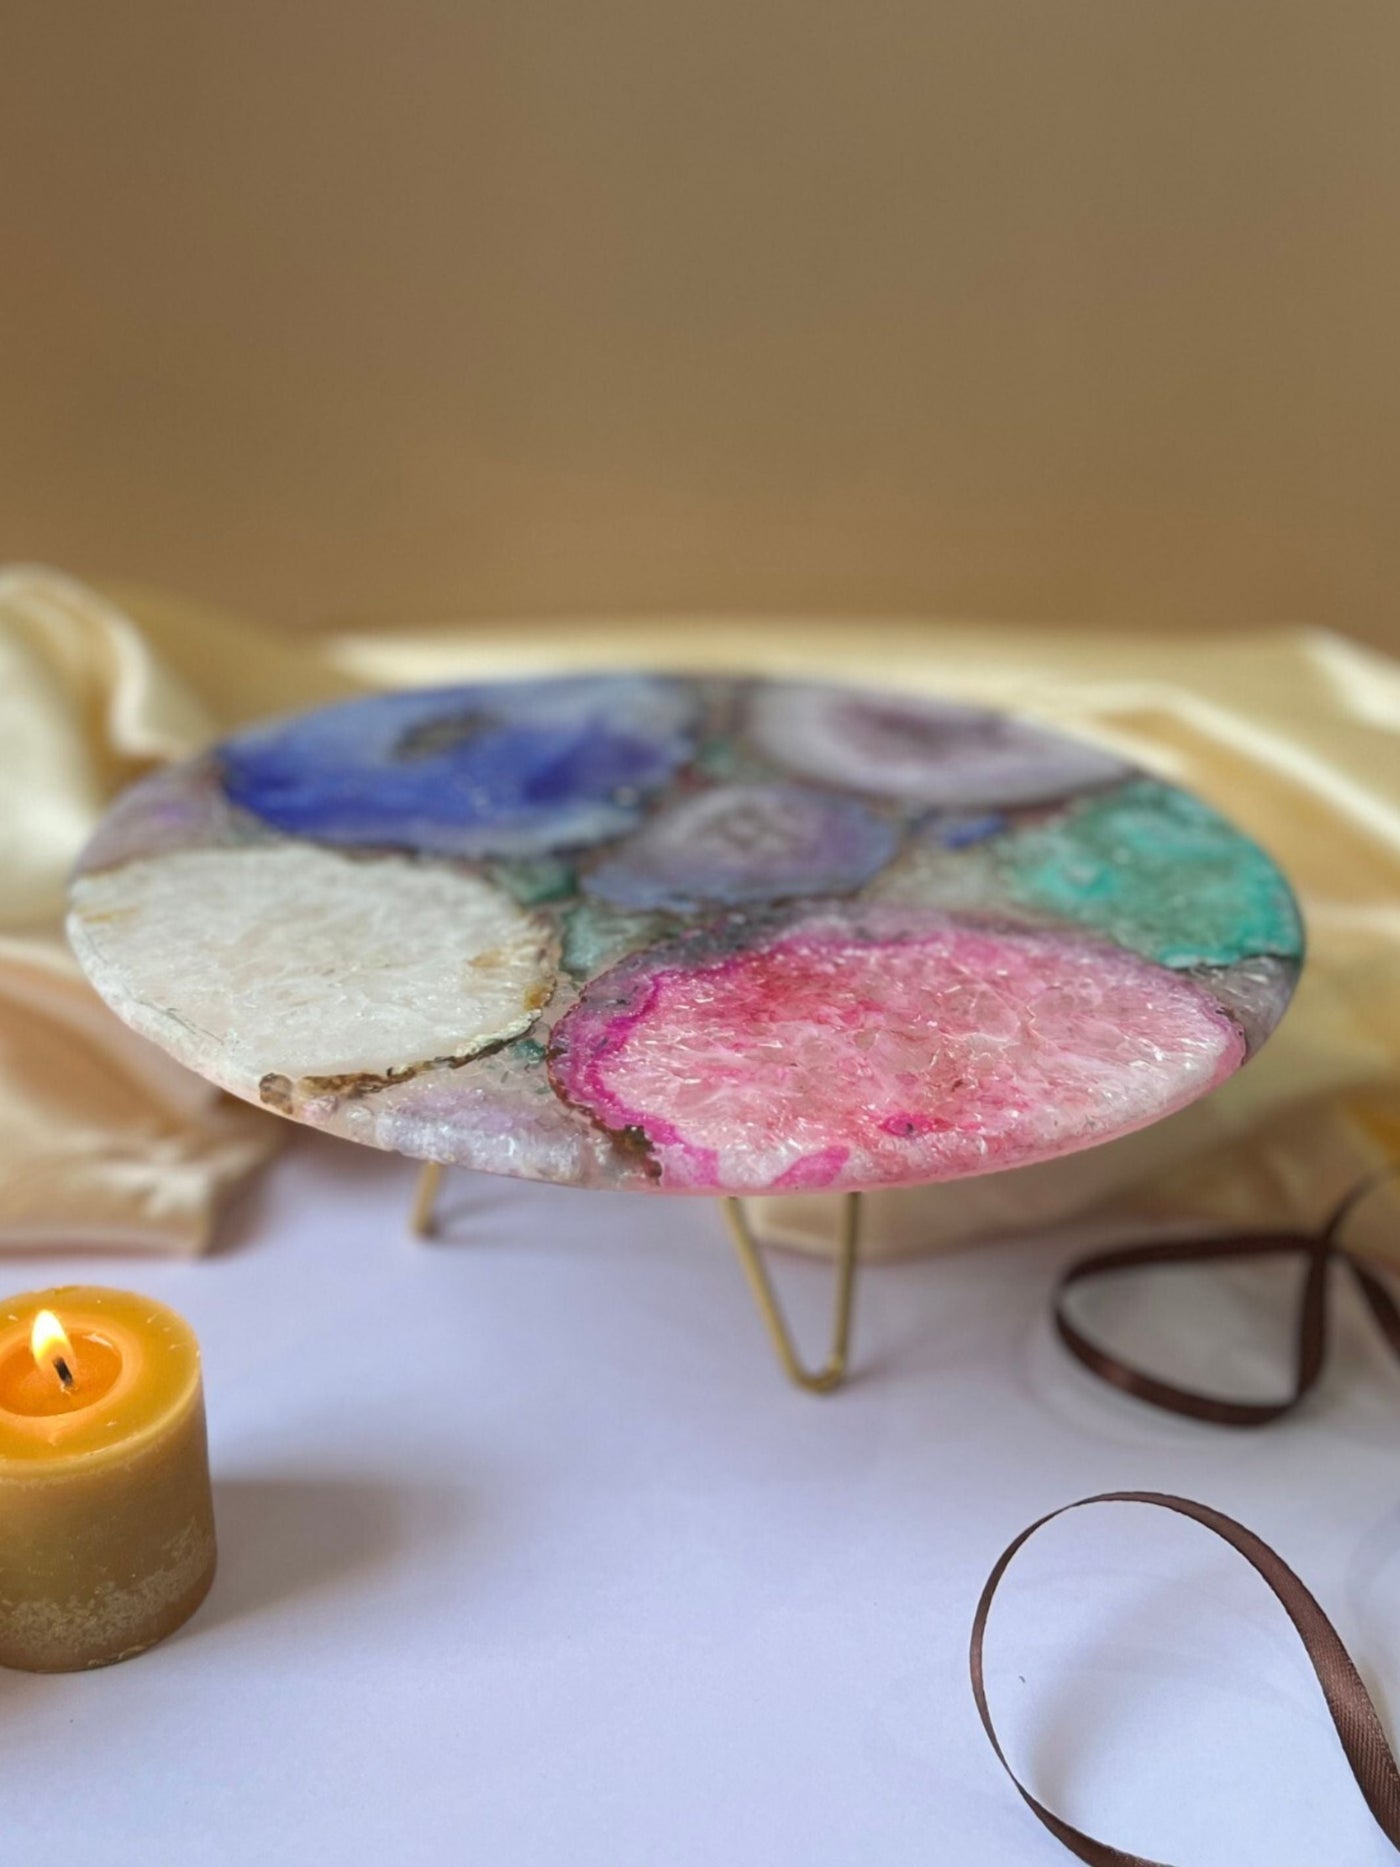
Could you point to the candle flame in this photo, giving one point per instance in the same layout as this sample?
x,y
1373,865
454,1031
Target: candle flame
x,y
48,1342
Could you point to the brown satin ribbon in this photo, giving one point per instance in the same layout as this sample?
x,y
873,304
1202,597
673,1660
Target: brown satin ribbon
x,y
1319,1251
1353,1713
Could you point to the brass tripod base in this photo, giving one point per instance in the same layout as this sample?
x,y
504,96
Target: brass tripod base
x,y
423,1220
832,1373
823,1380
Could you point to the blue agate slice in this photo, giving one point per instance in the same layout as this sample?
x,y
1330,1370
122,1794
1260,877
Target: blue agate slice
x,y
510,768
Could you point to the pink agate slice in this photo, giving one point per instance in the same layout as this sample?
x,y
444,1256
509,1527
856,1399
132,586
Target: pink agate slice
x,y
830,1053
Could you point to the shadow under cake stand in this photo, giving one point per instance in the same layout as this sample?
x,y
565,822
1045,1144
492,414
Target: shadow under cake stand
x,y
724,937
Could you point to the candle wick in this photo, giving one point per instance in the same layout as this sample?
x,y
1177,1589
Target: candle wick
x,y
64,1373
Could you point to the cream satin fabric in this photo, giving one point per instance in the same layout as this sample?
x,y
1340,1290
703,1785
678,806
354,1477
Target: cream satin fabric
x,y
1296,734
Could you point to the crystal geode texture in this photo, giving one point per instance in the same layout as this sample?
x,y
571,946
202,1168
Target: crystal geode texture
x,y
696,936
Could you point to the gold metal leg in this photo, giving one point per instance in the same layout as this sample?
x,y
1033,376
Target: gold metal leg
x,y
424,1220
822,1380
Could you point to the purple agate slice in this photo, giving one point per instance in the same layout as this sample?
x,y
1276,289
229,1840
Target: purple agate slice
x,y
740,843
912,748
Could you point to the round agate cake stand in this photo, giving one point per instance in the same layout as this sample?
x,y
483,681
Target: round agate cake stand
x,y
669,935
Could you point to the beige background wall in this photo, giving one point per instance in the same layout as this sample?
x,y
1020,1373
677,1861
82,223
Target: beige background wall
x,y
1035,308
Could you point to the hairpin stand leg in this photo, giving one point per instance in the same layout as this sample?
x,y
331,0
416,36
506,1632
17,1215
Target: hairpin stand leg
x,y
826,1379
823,1380
423,1222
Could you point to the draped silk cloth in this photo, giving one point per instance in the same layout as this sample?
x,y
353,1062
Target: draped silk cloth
x,y
1295,734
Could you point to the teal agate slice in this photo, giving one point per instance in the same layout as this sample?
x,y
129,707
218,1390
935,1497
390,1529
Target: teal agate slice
x,y
1157,870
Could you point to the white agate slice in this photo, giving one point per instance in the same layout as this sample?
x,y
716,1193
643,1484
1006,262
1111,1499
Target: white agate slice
x,y
289,973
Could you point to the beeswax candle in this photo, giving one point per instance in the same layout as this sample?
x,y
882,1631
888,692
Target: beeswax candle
x,y
106,1518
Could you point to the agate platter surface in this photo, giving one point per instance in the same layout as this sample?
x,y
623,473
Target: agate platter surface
x,y
687,935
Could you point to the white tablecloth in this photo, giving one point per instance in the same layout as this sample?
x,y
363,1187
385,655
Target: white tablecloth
x,y
530,1558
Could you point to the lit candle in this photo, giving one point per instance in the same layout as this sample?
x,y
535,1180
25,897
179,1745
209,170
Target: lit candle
x,y
106,1520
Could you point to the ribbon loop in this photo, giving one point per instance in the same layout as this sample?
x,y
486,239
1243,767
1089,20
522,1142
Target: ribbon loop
x,y
1318,1251
1350,1706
